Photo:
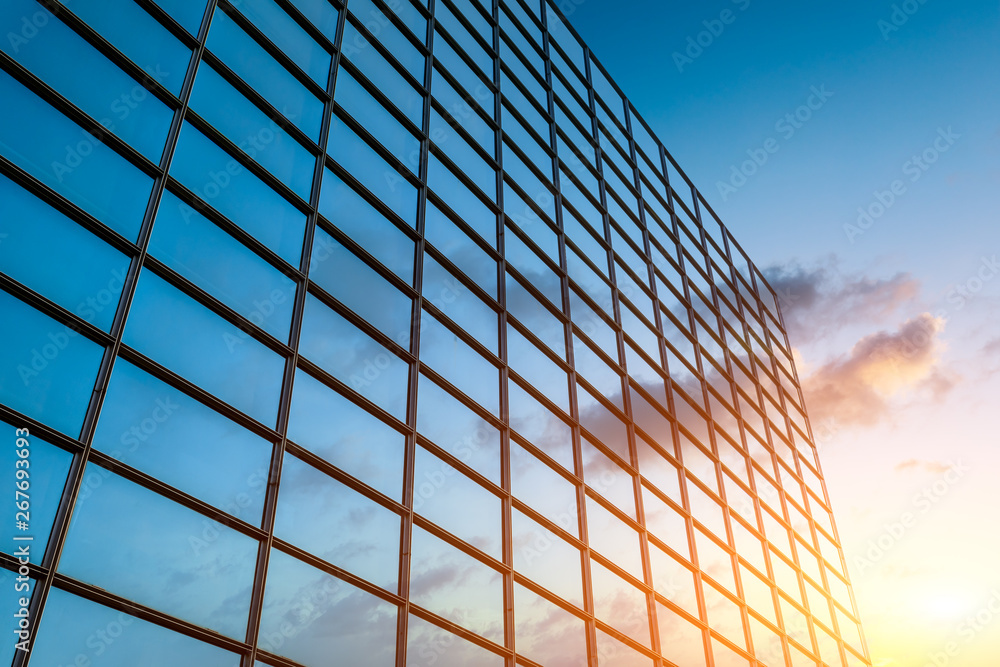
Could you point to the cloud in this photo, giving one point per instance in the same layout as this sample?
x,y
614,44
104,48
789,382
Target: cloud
x,y
935,467
992,347
856,388
820,298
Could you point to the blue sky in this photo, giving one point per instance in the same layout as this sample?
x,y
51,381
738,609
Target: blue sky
x,y
897,328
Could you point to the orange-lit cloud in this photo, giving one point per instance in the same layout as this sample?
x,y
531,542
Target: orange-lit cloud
x,y
856,388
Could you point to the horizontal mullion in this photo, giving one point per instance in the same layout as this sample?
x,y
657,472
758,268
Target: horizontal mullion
x,y
470,99
459,275
464,336
317,373
142,612
206,210
474,552
72,112
71,321
258,101
460,174
122,469
384,51
245,161
455,629
360,322
307,25
192,390
467,24
380,97
168,22
67,208
206,299
542,111
465,57
265,42
457,127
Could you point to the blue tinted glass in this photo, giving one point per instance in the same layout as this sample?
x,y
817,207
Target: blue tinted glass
x,y
443,649
190,340
310,616
73,162
386,32
232,190
256,66
364,164
462,201
137,544
90,273
72,628
155,428
458,247
386,78
188,13
330,520
190,244
42,475
12,606
288,36
322,15
352,357
355,284
139,36
248,127
459,363
48,370
365,109
329,425
460,304
349,211
65,61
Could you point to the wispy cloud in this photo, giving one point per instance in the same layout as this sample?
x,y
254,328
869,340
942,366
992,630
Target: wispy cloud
x,y
820,298
856,388
936,467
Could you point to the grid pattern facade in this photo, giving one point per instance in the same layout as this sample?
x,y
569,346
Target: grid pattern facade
x,y
334,351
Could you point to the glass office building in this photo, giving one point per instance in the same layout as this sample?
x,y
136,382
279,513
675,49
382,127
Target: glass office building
x,y
382,333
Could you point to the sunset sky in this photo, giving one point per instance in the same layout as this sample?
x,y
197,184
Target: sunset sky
x,y
877,217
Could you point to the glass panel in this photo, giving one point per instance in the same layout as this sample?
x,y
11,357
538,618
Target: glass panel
x,y
546,633
450,583
359,287
288,36
461,305
540,426
459,363
309,615
71,161
461,432
90,273
680,640
357,218
386,32
72,628
332,521
460,249
48,369
539,370
372,171
377,121
456,503
545,490
428,644
227,186
215,355
347,436
186,12
256,66
42,475
157,429
139,545
547,559
203,253
614,539
613,653
139,36
355,359
384,76
257,135
65,61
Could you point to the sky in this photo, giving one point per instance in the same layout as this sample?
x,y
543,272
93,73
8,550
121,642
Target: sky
x,y
873,206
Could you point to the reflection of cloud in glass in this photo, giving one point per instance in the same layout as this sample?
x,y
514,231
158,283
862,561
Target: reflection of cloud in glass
x,y
546,633
619,604
139,545
429,645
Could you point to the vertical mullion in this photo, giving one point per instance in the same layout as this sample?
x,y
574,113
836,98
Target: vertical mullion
x,y
274,474
74,482
406,534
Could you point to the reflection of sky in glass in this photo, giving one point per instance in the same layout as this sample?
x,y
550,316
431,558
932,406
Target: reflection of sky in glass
x,y
542,488
156,429
310,616
47,469
428,644
547,633
445,581
332,521
619,603
48,370
547,559
139,545
540,426
75,631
